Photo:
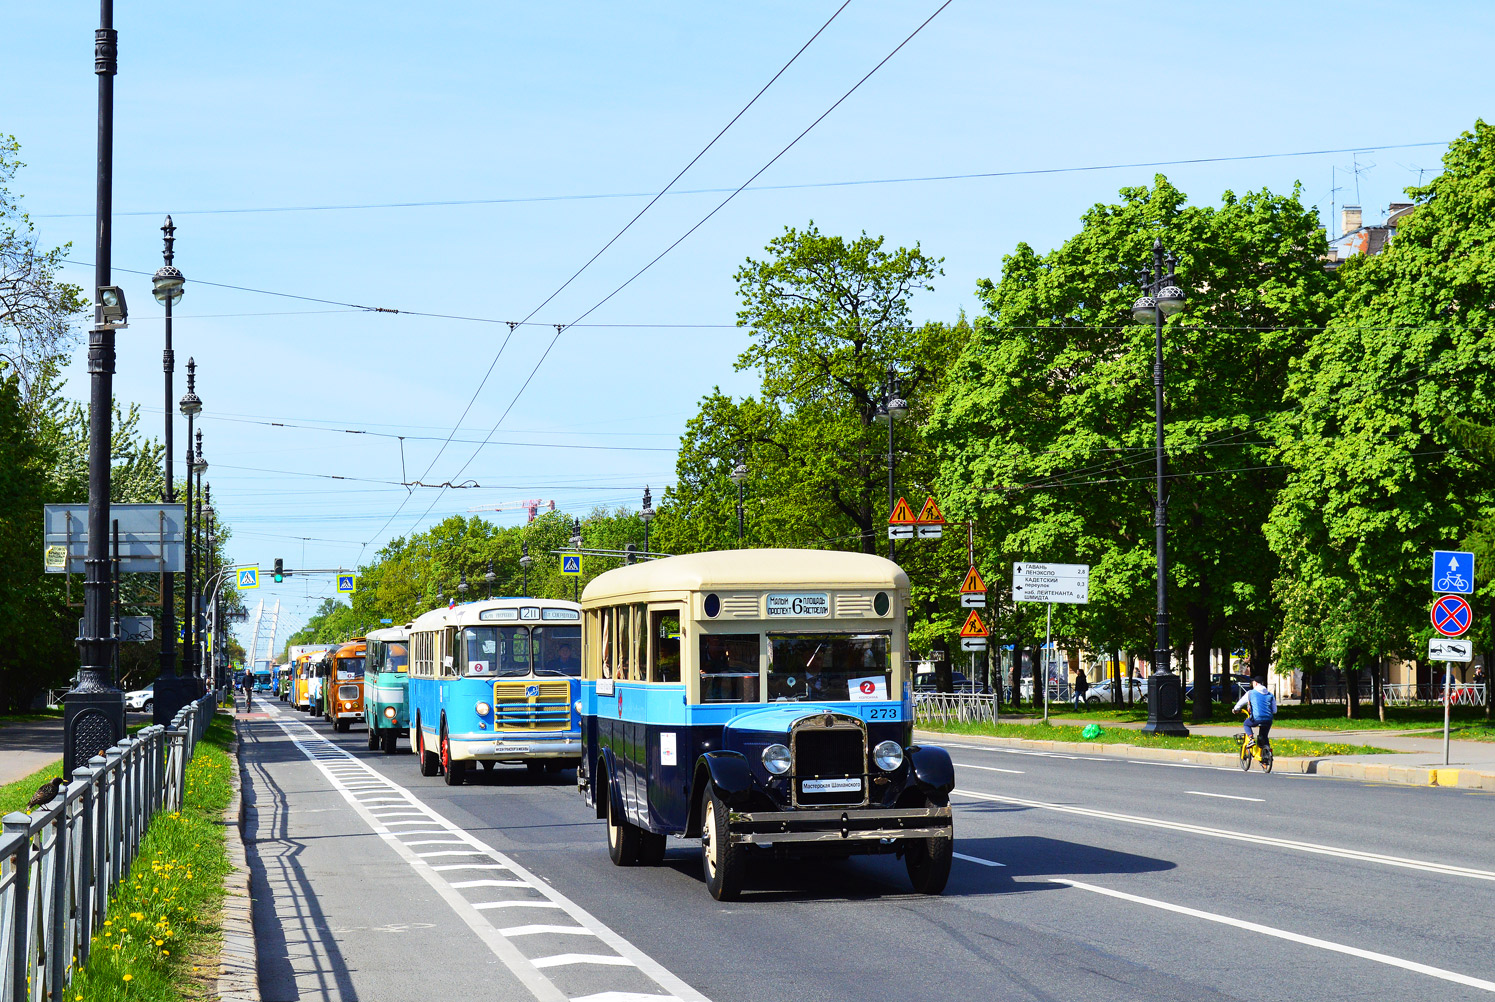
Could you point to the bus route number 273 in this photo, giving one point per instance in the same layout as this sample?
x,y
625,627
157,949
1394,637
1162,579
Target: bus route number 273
x,y
882,713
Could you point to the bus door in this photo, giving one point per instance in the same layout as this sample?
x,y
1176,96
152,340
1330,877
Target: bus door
x,y
667,797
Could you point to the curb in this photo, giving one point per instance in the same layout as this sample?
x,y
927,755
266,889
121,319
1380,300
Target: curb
x,y
238,962
1370,772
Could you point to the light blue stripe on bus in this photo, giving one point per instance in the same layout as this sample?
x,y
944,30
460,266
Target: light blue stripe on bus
x,y
664,703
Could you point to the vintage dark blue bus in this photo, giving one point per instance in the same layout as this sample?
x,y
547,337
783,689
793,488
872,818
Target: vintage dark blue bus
x,y
495,681
759,700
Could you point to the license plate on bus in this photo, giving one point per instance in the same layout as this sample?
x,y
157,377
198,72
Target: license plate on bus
x,y
504,746
831,785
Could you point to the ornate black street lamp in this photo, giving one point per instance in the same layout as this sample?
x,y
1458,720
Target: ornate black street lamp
x,y
647,514
1161,299
889,409
94,709
490,577
576,545
171,692
199,467
190,406
462,587
524,561
739,474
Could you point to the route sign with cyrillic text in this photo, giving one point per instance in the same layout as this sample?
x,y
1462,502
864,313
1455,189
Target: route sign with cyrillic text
x,y
1051,583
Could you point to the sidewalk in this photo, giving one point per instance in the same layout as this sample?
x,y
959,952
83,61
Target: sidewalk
x,y
27,746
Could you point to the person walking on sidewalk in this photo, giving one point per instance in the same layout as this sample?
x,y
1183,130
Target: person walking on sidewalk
x,y
1082,686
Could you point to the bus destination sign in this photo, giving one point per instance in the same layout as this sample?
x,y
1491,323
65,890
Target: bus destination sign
x,y
808,605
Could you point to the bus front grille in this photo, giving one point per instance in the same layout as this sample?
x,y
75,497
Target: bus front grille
x,y
531,705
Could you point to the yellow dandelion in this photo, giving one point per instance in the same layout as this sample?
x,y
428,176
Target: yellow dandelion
x,y
129,977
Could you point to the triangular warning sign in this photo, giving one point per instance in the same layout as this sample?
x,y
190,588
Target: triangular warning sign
x,y
930,514
902,513
973,583
974,627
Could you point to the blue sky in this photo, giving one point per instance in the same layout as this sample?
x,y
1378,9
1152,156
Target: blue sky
x,y
317,104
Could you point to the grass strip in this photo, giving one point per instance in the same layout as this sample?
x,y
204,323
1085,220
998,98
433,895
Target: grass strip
x,y
1123,736
15,796
161,938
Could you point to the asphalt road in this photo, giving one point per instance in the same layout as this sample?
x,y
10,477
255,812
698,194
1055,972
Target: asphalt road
x,y
1077,878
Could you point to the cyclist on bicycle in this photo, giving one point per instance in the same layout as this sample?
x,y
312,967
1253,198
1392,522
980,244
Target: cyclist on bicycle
x,y
1260,707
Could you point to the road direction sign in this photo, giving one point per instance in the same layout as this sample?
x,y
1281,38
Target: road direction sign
x,y
346,583
132,629
973,626
901,531
902,514
930,531
973,644
1453,572
1442,649
1451,616
248,577
571,564
1051,583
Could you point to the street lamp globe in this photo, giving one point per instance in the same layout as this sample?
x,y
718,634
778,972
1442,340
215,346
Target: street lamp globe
x,y
1170,299
524,558
1145,310
167,283
739,473
647,514
576,533
191,405
897,406
489,576
462,584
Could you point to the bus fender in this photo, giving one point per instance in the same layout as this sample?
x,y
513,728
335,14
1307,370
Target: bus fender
x,y
931,769
604,790
730,777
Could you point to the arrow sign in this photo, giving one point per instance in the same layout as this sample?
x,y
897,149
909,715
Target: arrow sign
x,y
1451,616
1453,572
1051,583
973,644
902,514
974,627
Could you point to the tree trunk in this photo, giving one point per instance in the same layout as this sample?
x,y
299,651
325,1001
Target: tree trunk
x,y
1115,675
1227,691
1378,689
943,682
1131,679
1352,685
1204,643
1017,673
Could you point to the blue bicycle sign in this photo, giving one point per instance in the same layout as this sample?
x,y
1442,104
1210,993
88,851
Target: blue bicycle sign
x,y
1453,572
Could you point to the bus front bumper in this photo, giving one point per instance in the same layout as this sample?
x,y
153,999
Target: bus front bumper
x,y
515,748
845,825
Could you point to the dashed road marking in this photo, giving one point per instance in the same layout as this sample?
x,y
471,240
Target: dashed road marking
x,y
976,859
1224,796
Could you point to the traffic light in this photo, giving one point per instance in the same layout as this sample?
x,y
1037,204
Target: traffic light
x,y
280,570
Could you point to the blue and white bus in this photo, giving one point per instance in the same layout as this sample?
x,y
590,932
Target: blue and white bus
x,y
495,681
759,700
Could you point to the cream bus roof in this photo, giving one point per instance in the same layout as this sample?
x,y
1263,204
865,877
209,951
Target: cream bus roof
x,y
469,613
390,634
766,568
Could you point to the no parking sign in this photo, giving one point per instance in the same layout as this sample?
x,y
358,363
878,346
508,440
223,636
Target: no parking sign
x,y
1451,616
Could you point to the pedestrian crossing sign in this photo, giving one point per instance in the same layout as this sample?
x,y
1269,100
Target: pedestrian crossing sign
x,y
571,564
248,577
345,584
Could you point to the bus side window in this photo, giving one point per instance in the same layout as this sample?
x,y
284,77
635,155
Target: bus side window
x,y
625,641
664,646
729,667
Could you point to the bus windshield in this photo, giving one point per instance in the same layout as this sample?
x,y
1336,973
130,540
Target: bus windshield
x,y
521,650
828,666
350,667
388,657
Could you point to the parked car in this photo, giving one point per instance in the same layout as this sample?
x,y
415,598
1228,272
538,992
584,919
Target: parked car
x,y
959,682
1132,689
139,700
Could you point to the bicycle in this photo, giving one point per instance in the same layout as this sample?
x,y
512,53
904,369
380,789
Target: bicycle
x,y
1253,749
1453,582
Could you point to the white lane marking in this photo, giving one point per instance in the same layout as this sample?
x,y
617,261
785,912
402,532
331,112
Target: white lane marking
x,y
1224,796
484,906
1176,765
988,768
1292,937
391,824
462,885
432,841
429,855
1448,869
562,959
535,930
540,985
976,859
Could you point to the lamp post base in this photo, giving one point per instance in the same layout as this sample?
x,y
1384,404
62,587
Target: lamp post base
x,y
1165,710
169,694
93,719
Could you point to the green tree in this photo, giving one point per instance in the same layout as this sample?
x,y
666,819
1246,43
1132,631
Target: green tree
x,y
1379,476
1046,432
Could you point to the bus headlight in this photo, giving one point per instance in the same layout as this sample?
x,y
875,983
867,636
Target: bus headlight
x,y
389,711
482,708
888,755
776,759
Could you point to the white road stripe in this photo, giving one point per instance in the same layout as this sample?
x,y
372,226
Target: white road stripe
x,y
976,859
1448,869
531,976
562,959
1224,796
432,841
1176,765
988,768
484,906
1292,937
462,885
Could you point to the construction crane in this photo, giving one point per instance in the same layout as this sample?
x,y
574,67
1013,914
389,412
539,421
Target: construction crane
x,y
532,506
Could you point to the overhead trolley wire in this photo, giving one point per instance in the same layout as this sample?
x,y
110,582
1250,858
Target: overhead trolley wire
x,y
719,206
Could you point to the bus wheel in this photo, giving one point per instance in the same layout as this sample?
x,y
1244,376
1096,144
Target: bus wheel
x,y
430,765
622,838
454,772
723,862
342,726
390,740
373,739
928,861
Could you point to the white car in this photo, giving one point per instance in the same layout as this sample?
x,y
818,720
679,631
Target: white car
x,y
140,700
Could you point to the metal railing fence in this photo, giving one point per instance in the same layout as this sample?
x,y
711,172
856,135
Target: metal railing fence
x,y
1412,694
59,865
953,708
